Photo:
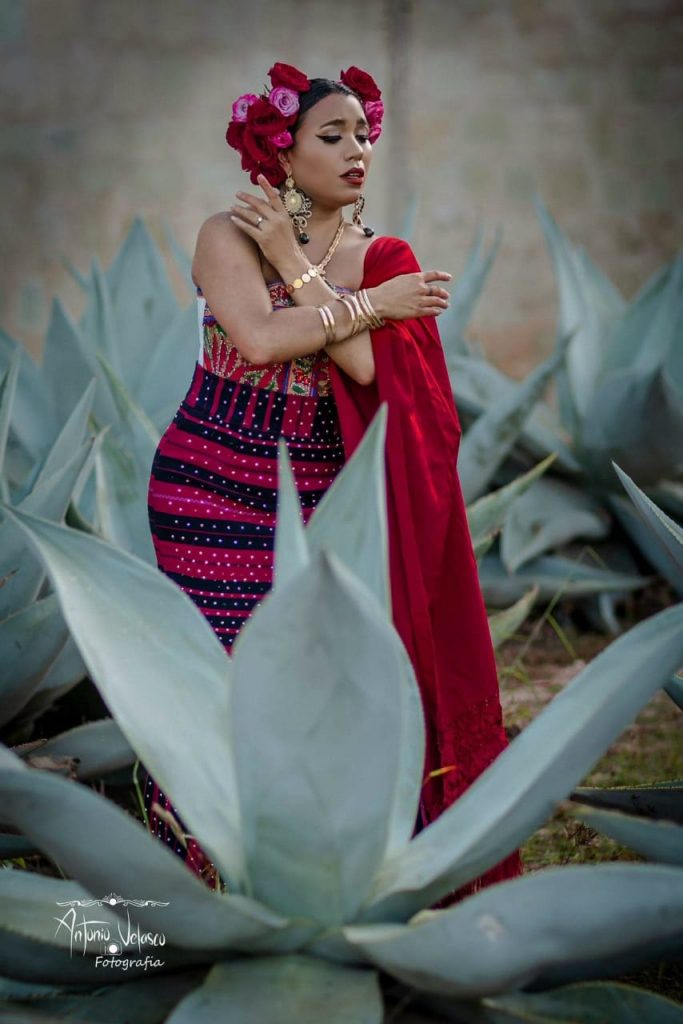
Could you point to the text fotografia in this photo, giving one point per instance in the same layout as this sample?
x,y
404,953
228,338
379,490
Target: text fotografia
x,y
125,962
91,934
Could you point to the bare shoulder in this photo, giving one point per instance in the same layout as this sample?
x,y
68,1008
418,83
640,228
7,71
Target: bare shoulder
x,y
219,241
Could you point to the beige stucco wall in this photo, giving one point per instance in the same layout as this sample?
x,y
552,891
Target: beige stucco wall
x,y
116,107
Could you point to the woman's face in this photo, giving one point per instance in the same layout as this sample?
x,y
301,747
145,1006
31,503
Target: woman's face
x,y
332,138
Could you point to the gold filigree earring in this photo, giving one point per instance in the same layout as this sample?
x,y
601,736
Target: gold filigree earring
x,y
298,206
357,210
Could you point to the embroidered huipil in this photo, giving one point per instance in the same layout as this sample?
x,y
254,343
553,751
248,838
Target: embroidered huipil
x,y
305,375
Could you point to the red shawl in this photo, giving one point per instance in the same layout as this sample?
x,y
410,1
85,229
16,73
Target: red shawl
x,y
437,604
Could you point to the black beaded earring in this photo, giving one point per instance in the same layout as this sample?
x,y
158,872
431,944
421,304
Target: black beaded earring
x,y
357,210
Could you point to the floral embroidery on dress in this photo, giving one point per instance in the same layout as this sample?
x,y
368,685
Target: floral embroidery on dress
x,y
305,375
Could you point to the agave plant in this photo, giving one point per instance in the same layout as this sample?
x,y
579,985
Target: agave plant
x,y
620,396
38,660
137,343
33,633
297,764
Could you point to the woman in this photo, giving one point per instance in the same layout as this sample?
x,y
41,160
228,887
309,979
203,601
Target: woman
x,y
307,325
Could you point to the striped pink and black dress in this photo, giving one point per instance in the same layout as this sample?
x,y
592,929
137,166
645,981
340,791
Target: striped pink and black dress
x,y
213,490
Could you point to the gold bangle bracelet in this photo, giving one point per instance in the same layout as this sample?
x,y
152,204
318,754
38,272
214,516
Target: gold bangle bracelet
x,y
329,324
299,282
333,326
361,321
363,315
324,316
364,299
344,299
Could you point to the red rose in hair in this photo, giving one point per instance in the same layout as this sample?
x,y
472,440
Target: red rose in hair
x,y
361,82
257,146
290,77
235,134
265,119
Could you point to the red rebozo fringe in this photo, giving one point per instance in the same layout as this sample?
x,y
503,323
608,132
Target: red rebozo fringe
x,y
437,604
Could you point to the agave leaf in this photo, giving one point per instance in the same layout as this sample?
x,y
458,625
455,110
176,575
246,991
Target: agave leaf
x,y
68,367
146,1000
70,438
21,572
550,513
33,424
504,623
588,307
518,792
8,387
668,533
117,851
121,631
97,325
584,1003
636,321
669,496
130,413
664,800
311,845
29,905
99,746
465,292
660,841
647,540
30,641
552,574
488,512
477,385
675,690
359,541
120,509
482,545
663,332
142,300
504,936
635,419
291,545
492,435
283,989
122,472
168,368
66,672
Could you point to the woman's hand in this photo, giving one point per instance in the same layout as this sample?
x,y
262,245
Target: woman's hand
x,y
273,235
410,295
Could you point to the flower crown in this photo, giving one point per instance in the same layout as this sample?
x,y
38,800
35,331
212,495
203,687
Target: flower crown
x,y
259,125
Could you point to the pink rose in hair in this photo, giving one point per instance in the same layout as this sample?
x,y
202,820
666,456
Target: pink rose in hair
x,y
241,105
285,100
374,133
374,111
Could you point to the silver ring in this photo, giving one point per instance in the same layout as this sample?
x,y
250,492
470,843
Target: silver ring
x,y
430,289
258,220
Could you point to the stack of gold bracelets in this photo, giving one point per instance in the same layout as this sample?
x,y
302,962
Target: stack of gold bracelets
x,y
362,315
358,304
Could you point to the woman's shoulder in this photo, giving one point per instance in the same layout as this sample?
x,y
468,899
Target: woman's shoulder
x,y
219,240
